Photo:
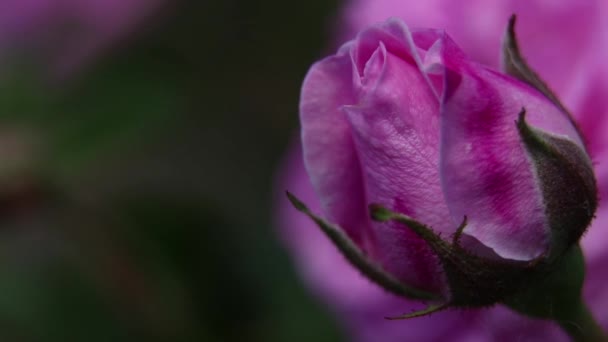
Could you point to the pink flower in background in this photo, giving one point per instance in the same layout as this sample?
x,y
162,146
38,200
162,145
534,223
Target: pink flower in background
x,y
68,32
568,58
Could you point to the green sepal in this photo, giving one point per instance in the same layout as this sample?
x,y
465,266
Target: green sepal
x,y
567,182
474,281
360,260
557,295
432,308
555,292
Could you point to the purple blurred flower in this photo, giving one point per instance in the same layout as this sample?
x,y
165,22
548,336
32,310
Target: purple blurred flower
x,y
576,73
68,33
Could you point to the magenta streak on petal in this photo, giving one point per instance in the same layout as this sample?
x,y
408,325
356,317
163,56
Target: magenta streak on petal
x,y
485,172
503,201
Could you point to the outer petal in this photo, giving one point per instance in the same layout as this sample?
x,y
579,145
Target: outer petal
x,y
329,152
396,132
502,200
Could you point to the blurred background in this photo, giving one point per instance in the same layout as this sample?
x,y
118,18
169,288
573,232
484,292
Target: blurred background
x,y
138,144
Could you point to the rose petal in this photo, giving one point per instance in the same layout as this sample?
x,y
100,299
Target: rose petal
x,y
396,132
503,201
329,152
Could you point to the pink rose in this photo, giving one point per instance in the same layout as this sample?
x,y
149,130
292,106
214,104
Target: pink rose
x,y
392,122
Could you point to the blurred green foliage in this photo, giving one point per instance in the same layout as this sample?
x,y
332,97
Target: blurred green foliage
x,y
139,206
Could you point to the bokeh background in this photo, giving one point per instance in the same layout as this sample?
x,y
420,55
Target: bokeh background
x,y
138,144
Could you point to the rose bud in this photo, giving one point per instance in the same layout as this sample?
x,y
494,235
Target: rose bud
x,y
478,182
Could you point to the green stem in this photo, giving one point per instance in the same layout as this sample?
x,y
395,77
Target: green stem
x,y
580,325
556,296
